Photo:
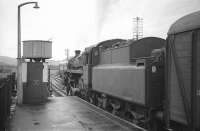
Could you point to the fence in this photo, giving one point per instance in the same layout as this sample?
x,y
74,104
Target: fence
x,y
6,87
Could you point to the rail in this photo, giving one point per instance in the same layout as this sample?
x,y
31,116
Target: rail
x,y
55,84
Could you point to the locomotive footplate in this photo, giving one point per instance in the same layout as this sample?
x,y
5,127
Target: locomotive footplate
x,y
65,114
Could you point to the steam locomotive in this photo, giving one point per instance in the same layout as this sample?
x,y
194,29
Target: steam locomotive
x,y
152,82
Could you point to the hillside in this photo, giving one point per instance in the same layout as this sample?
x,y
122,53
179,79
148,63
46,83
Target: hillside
x,y
4,60
7,65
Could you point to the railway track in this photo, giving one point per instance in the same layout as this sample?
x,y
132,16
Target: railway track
x,y
56,86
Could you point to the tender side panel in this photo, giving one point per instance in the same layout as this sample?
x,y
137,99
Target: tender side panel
x,y
182,43
124,81
120,55
105,57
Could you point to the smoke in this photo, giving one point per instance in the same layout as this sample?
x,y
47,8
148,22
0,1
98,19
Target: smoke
x,y
113,17
104,8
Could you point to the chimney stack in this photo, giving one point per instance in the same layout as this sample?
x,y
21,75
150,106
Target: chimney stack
x,y
77,52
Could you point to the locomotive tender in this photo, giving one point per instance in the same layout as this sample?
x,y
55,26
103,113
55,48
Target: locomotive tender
x,y
152,82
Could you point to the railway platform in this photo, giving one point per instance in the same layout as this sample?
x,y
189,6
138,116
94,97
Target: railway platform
x,y
65,114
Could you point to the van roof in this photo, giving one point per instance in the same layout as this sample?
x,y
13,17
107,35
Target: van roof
x,y
186,23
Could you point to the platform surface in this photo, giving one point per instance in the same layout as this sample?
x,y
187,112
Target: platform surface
x,y
62,114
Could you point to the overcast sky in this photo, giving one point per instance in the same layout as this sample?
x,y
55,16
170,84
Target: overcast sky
x,y
76,24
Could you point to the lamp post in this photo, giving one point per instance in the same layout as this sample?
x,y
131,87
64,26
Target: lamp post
x,y
19,60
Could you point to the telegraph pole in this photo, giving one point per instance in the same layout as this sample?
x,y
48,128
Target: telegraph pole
x,y
67,54
137,28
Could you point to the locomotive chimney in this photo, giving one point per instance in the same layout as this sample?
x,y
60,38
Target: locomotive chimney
x,y
77,52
